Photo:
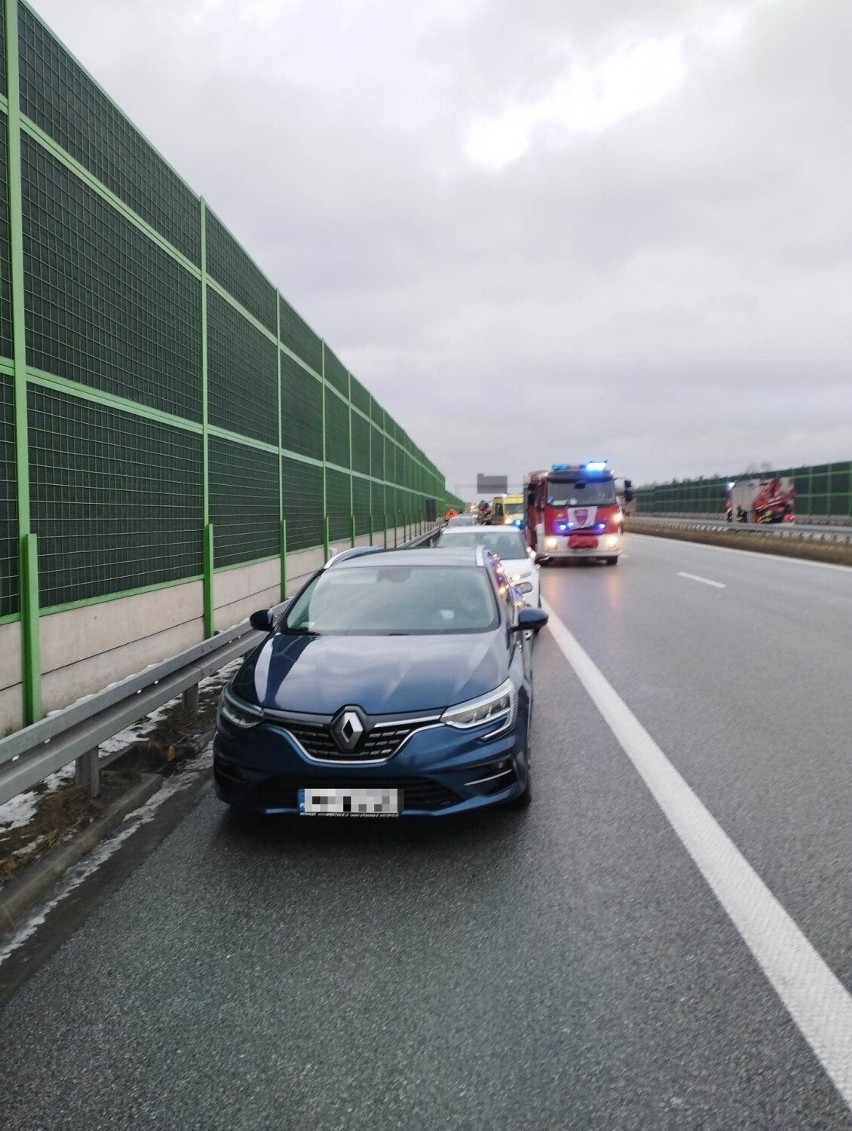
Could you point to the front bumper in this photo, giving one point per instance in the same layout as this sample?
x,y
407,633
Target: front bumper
x,y
440,770
586,545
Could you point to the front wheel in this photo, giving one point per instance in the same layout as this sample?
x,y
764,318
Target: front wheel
x,y
524,800
611,561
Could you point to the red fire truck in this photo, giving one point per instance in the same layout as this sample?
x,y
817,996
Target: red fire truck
x,y
573,512
761,500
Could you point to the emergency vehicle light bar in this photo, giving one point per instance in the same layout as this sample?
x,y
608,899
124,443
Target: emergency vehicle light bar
x,y
591,465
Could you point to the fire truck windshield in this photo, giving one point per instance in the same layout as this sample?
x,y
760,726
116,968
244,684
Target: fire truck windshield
x,y
581,492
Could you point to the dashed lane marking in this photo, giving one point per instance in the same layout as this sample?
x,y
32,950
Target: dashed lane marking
x,y
813,996
703,580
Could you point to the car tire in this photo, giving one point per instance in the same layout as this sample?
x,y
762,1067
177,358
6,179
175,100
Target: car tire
x,y
524,800
611,561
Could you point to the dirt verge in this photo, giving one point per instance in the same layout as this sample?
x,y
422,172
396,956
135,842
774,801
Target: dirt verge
x,y
837,553
60,813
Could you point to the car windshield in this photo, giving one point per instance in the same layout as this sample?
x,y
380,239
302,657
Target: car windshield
x,y
394,600
513,508
507,543
581,492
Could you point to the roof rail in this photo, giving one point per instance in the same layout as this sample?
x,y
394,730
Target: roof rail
x,y
354,552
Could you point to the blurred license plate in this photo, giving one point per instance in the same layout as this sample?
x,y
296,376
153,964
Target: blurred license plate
x,y
325,802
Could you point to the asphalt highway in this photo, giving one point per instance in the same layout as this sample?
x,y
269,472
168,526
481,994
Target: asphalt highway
x,y
570,966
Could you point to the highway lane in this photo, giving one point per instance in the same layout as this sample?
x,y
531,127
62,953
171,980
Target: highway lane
x,y
567,967
747,690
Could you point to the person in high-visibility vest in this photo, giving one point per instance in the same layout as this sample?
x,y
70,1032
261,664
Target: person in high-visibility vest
x,y
451,514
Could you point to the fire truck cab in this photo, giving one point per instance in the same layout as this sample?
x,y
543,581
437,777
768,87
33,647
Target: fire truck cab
x,y
573,512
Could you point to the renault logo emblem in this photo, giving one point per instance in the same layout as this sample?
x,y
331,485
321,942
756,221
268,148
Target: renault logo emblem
x,y
347,729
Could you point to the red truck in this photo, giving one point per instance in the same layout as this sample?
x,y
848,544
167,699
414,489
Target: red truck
x,y
760,500
573,512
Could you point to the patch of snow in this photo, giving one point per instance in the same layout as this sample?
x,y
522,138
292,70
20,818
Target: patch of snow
x,y
19,811
24,849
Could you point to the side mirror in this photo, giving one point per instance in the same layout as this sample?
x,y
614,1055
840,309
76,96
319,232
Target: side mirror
x,y
530,620
628,496
541,558
628,482
262,620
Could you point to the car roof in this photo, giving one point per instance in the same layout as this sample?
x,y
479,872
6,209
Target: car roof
x,y
460,533
463,555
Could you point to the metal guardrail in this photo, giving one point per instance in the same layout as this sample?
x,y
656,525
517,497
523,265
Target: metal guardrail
x,y
802,520
74,733
837,534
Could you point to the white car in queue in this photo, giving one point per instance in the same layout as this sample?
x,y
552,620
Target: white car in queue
x,y
509,545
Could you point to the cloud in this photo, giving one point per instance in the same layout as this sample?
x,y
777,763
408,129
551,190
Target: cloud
x,y
536,232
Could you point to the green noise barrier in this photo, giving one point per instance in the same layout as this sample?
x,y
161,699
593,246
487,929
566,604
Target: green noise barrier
x,y
164,411
824,489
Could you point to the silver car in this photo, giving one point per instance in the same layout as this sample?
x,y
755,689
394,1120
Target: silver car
x,y
509,545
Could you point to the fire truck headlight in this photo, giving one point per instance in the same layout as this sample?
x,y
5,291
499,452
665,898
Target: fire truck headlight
x,y
617,516
611,540
550,543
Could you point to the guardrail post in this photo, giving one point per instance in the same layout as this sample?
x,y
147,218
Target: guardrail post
x,y
283,551
352,530
326,537
87,772
190,699
395,528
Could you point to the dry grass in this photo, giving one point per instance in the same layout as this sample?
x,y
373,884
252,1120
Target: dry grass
x,y
59,813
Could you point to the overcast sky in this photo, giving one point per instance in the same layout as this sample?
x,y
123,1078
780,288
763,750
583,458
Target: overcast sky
x,y
537,230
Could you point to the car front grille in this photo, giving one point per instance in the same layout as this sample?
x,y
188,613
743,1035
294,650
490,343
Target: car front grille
x,y
417,793
380,742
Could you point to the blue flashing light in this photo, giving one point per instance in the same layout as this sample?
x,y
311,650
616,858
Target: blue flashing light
x,y
595,465
600,525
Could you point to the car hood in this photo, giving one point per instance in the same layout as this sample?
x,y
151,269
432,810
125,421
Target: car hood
x,y
380,674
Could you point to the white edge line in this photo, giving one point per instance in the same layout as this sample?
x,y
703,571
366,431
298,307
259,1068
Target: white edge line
x,y
703,580
811,993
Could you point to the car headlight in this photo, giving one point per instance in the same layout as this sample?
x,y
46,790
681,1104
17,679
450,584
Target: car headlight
x,y
237,712
611,540
550,543
497,707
